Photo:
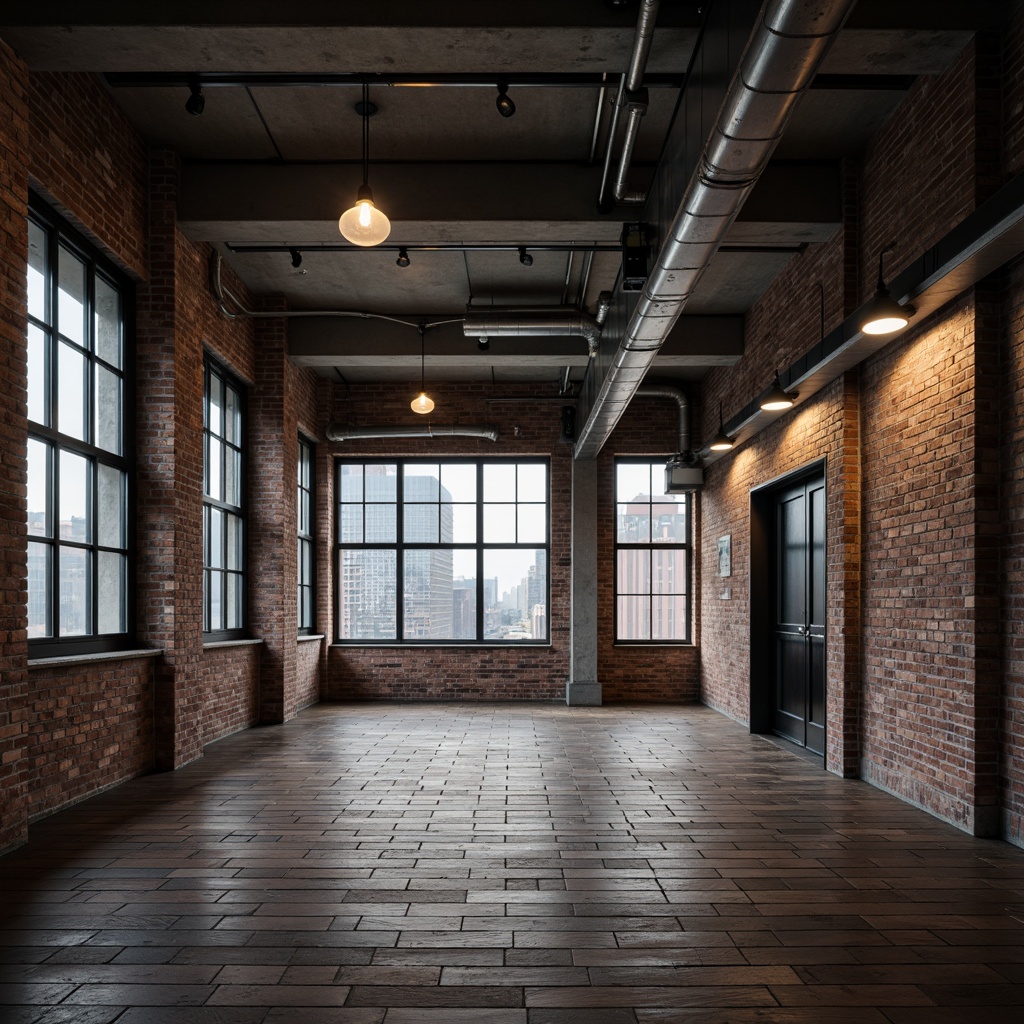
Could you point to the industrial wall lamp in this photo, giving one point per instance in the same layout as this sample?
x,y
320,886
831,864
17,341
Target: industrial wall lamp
x,y
721,442
778,398
884,315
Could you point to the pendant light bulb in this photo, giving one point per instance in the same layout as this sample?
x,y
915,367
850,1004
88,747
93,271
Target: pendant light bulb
x,y
422,404
722,441
363,223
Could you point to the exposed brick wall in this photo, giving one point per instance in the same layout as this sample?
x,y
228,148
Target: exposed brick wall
x,y
89,162
638,673
13,570
310,662
1012,106
228,682
90,726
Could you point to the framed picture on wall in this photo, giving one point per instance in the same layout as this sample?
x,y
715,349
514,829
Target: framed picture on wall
x,y
725,555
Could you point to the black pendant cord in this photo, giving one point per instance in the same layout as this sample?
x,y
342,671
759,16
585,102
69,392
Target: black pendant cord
x,y
366,134
423,359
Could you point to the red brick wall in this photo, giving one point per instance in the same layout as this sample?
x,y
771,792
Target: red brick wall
x,y
230,697
13,596
90,726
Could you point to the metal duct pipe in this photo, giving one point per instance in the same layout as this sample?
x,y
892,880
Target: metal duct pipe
x,y
781,58
682,401
339,432
536,325
604,305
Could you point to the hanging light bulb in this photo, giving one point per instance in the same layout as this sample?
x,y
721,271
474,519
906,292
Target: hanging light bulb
x,y
422,403
722,442
363,223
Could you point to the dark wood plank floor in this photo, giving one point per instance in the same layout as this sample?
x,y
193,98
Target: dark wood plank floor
x,y
507,864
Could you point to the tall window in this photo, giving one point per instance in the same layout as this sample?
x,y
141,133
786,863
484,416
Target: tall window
x,y
78,469
305,537
652,564
453,551
223,501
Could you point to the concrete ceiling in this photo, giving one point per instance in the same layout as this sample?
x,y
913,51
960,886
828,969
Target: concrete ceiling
x,y
275,158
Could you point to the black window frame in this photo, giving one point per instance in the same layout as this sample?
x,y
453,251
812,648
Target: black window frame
x,y
306,536
686,546
62,235
213,368
479,546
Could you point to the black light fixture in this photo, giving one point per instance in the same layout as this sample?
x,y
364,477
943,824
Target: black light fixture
x,y
504,104
403,258
296,258
884,315
363,223
778,399
196,102
524,257
483,344
422,403
721,442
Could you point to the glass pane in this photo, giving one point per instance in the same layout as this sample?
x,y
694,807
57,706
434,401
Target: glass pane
x,y
306,608
39,590
232,476
533,522
499,524
74,498
110,593
380,483
305,458
351,482
74,592
352,524
37,292
215,406
463,523
428,594
634,618
215,481
668,523
306,562
108,410
233,601
38,403
71,385
39,489
459,480
633,523
110,501
668,613
216,603
107,317
515,594
215,542
633,571
421,524
233,554
381,524
71,297
369,595
464,595
632,481
669,571
499,481
422,483
232,415
533,483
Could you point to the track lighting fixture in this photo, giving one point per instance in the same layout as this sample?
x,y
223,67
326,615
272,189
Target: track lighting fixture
x,y
884,314
422,403
296,258
722,442
403,258
778,398
483,344
196,102
364,224
504,104
524,257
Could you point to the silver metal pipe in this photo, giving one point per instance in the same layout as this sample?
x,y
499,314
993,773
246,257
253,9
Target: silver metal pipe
x,y
622,192
642,44
340,432
682,402
537,325
597,120
613,127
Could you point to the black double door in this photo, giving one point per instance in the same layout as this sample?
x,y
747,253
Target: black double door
x,y
799,619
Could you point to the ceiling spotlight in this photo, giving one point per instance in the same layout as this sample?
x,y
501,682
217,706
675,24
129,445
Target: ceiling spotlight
x,y
364,224
483,344
524,257
196,101
403,258
422,403
296,258
884,314
778,398
505,105
722,441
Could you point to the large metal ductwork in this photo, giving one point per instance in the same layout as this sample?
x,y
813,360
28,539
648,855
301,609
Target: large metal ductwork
x,y
533,325
781,58
339,432
678,396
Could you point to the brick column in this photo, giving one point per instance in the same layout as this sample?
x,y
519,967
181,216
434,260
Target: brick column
x,y
14,148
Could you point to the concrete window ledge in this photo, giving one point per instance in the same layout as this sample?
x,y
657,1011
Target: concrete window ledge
x,y
84,659
216,644
305,638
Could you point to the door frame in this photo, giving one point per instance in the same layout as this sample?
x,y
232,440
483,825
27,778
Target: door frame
x,y
762,592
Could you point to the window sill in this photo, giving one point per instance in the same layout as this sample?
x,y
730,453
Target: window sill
x,y
305,638
654,643
484,645
84,659
217,644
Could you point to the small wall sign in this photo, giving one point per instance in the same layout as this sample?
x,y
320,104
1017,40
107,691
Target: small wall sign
x,y
725,555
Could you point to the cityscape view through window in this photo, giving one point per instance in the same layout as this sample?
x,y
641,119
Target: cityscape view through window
x,y
443,552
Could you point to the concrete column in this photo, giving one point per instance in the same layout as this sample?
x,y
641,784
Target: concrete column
x,y
583,687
